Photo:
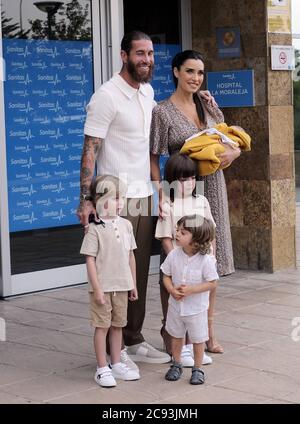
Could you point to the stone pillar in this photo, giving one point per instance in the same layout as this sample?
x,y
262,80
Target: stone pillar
x,y
261,183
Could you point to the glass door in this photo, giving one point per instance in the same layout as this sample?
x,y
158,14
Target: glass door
x,y
168,23
48,48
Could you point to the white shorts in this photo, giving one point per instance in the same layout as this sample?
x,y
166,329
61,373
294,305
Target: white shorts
x,y
195,325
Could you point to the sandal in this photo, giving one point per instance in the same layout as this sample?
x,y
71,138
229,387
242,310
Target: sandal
x,y
214,348
197,376
174,372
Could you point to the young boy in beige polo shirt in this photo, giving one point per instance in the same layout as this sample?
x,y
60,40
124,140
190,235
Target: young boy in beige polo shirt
x,y
108,246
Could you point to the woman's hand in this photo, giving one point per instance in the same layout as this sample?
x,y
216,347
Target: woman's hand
x,y
230,154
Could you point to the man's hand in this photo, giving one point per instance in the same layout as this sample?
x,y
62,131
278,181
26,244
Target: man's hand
x,y
208,97
85,209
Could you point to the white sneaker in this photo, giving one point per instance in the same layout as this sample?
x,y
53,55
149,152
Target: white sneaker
x,y
207,360
144,352
122,372
125,359
187,357
104,377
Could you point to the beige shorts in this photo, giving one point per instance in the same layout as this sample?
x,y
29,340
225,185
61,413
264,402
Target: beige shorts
x,y
195,325
112,313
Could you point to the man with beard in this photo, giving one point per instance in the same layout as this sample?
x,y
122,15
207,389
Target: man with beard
x,y
117,142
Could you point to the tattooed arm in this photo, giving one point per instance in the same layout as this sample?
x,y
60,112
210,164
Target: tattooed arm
x,y
91,147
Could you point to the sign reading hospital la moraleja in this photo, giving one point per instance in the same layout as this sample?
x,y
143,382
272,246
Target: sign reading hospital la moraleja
x,y
232,88
47,87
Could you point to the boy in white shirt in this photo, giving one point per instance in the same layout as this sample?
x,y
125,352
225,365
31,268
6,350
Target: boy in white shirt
x,y
189,274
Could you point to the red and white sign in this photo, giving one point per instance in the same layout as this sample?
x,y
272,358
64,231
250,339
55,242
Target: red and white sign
x,y
282,58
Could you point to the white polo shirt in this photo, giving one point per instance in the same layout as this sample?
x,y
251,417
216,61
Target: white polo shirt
x,y
184,269
121,115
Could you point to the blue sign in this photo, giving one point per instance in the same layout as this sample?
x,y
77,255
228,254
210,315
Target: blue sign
x,y
162,81
232,88
228,42
47,87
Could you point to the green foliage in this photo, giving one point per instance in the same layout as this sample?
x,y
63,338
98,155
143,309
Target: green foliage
x,y
73,23
10,29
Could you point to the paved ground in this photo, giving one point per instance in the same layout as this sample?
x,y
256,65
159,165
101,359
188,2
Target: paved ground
x,y
48,357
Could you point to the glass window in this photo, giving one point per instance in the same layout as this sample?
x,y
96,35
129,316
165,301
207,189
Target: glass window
x,y
48,53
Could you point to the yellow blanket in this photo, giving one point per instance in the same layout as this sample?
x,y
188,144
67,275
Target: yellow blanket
x,y
205,147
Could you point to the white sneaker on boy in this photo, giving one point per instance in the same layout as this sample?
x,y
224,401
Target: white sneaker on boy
x,y
104,377
187,357
122,372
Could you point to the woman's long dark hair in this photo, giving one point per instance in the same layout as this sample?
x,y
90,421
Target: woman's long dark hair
x,y
177,62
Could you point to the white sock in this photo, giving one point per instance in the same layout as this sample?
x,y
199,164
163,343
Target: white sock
x,y
101,369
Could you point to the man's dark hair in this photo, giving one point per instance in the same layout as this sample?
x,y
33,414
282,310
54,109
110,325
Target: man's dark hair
x,y
126,43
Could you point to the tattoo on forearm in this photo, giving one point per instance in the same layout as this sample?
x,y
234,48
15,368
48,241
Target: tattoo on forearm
x,y
90,149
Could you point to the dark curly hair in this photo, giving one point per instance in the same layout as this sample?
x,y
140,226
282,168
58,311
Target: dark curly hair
x,y
202,230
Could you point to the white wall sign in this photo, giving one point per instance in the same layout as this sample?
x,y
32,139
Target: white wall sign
x,y
282,58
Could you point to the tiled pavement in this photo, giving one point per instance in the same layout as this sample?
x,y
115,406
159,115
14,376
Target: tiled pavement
x,y
48,356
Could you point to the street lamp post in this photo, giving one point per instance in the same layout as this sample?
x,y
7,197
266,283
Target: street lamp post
x,y
21,17
49,7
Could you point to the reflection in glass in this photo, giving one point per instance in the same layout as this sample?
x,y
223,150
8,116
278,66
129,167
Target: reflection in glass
x,y
49,81
64,20
49,7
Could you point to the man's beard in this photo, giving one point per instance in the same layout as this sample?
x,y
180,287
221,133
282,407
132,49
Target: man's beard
x,y
142,78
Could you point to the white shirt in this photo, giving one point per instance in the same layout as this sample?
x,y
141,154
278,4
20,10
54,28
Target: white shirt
x,y
121,115
184,269
173,211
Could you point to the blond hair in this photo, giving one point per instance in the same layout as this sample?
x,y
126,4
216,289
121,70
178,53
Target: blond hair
x,y
107,187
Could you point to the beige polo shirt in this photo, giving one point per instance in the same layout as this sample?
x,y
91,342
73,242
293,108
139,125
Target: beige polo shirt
x,y
121,115
111,246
